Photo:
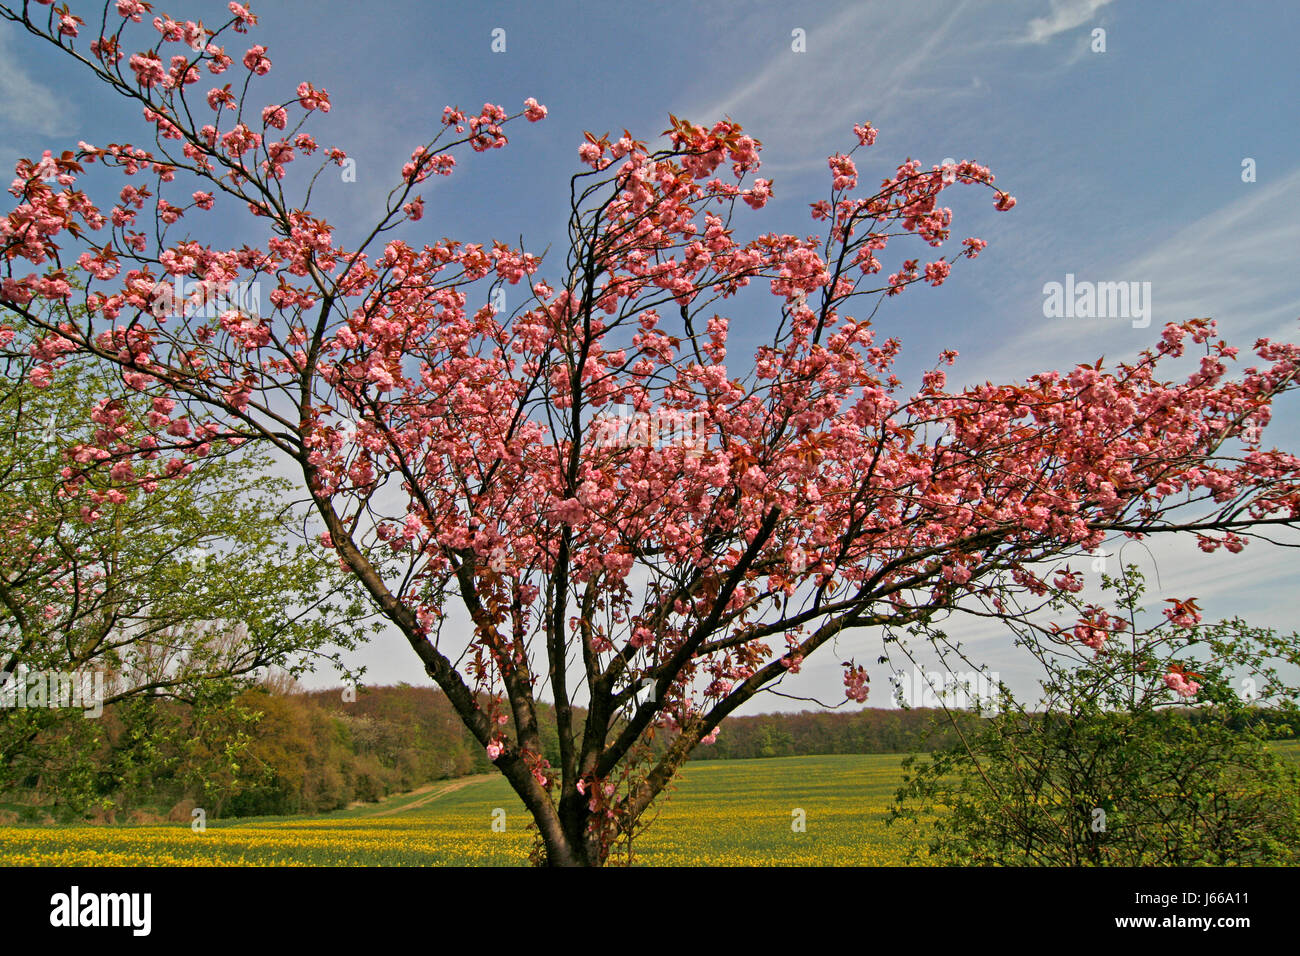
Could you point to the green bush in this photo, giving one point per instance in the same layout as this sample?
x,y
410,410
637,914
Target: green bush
x,y
1120,768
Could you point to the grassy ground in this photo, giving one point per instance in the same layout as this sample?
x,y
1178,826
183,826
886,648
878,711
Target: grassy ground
x,y
721,813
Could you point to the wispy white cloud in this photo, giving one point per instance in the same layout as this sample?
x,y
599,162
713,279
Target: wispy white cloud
x,y
864,62
26,104
1226,263
1223,265
1065,16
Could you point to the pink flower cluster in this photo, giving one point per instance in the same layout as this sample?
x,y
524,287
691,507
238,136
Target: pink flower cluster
x,y
1182,684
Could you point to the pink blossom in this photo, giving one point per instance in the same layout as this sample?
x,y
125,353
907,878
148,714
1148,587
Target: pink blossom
x,y
856,682
311,98
865,133
1183,613
758,194
243,19
1181,685
132,9
257,61
148,69
274,116
936,272
533,110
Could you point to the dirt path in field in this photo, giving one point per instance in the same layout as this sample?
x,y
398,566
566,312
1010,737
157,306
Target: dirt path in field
x,y
432,792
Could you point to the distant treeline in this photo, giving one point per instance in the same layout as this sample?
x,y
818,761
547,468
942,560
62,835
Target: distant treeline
x,y
875,730
262,753
868,731
270,752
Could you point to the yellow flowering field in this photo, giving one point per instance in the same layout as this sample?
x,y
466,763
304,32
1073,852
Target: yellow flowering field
x,y
795,811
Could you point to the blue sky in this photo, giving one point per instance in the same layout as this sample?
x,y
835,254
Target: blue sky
x,y
1127,165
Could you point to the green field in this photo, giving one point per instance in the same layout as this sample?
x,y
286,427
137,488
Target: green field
x,y
721,813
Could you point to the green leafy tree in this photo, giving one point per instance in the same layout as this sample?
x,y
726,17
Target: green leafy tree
x,y
186,587
1148,748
